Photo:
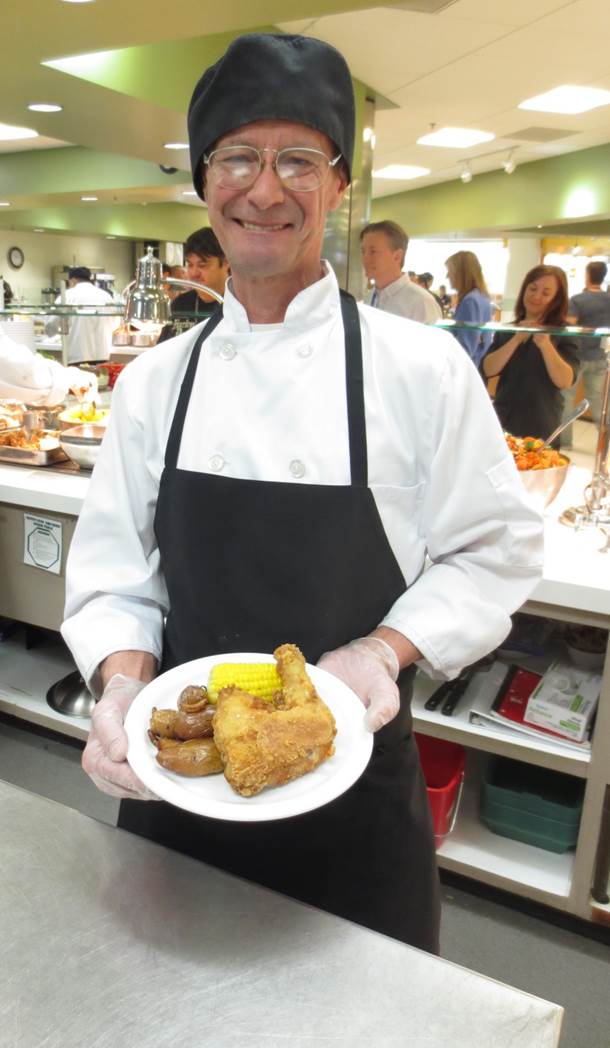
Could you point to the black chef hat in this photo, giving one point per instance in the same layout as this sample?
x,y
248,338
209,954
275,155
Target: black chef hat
x,y
266,76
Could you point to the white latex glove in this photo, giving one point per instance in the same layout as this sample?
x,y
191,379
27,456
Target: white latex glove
x,y
105,755
369,667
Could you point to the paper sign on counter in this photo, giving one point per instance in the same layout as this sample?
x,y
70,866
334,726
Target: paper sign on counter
x,y
42,544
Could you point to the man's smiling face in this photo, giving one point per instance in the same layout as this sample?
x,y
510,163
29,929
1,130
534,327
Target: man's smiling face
x,y
268,230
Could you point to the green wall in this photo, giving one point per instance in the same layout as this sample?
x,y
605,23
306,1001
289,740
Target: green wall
x,y
558,191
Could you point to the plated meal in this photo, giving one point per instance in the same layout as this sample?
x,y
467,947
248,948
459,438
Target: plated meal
x,y
268,735
533,453
248,737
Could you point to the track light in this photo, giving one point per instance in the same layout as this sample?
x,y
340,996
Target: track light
x,y
466,175
509,164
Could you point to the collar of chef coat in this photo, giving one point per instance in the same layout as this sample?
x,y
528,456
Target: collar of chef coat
x,y
310,307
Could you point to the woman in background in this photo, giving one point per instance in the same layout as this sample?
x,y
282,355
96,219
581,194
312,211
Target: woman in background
x,y
534,368
473,303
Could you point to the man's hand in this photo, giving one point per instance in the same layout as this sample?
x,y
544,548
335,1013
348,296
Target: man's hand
x,y
104,756
370,667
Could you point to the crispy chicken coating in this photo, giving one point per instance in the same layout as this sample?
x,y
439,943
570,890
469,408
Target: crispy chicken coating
x,y
263,743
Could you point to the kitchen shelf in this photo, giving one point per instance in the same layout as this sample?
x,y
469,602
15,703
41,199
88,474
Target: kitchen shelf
x,y
474,851
25,677
540,751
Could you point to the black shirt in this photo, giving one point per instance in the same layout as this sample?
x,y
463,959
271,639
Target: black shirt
x,y
188,303
527,402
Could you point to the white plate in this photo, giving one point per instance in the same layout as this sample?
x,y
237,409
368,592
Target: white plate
x,y
212,795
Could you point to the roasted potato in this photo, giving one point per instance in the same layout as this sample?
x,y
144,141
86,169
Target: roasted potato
x,y
196,757
176,724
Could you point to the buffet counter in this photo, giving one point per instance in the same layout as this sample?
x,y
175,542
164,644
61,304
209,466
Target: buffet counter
x,y
125,942
575,574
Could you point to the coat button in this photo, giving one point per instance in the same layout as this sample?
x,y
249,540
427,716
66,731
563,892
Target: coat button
x,y
228,351
304,351
297,468
216,463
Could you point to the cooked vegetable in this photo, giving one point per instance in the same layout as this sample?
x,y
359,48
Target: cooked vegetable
x,y
196,757
256,678
181,725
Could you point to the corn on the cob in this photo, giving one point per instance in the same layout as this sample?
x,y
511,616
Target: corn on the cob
x,y
257,678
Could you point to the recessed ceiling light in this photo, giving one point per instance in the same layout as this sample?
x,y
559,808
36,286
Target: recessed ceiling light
x,y
188,192
175,145
38,230
455,138
8,132
44,107
567,99
401,171
78,1
86,198
5,203
110,238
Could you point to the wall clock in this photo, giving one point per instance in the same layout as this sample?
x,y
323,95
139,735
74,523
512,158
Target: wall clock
x,y
16,257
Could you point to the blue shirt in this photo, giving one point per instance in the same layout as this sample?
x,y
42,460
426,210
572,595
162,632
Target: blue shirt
x,y
475,308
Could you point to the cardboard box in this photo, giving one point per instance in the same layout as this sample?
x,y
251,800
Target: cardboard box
x,y
565,700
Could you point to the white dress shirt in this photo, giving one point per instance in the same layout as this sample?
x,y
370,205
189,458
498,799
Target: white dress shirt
x,y
406,299
89,337
270,404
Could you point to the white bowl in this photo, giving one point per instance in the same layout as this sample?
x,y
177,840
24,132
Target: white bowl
x,y
82,443
543,485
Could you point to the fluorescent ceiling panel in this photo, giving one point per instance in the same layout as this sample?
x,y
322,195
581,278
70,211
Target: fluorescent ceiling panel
x,y
8,133
455,138
568,99
401,172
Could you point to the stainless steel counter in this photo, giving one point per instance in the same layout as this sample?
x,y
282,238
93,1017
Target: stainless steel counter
x,y
110,940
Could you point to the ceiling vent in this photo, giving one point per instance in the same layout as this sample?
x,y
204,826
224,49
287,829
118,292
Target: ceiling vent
x,y
540,134
426,7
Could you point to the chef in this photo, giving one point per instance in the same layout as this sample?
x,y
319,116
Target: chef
x,y
279,473
32,379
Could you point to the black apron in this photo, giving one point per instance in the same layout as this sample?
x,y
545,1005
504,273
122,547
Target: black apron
x,y
252,564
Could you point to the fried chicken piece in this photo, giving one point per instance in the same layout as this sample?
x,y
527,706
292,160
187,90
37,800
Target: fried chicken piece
x,y
263,743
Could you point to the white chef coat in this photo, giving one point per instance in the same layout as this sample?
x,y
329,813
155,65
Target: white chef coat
x,y
89,337
270,404
406,299
32,379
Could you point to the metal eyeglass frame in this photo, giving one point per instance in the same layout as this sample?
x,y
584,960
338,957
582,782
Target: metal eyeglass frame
x,y
268,149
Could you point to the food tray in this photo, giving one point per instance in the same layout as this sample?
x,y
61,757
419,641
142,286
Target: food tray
x,y
32,457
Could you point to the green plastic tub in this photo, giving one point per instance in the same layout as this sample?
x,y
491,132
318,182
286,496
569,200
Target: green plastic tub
x,y
532,805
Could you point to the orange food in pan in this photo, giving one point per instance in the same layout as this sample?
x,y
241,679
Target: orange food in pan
x,y
533,453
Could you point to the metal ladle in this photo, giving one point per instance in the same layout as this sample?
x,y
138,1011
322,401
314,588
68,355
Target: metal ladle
x,y
578,411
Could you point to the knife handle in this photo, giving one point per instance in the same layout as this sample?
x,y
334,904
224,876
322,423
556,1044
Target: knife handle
x,y
454,696
439,695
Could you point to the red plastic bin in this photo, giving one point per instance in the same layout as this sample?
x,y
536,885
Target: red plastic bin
x,y
443,767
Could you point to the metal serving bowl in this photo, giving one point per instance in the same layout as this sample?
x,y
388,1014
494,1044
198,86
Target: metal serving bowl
x,y
543,485
82,443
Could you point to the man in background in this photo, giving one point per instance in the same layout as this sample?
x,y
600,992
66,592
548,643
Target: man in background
x,y
384,246
590,308
206,264
89,337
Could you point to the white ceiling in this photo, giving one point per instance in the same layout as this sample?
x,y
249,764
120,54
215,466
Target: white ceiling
x,y
468,65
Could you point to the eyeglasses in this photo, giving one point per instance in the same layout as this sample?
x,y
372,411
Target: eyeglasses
x,y
300,169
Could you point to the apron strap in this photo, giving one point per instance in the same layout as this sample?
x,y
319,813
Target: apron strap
x,y
354,380
175,433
